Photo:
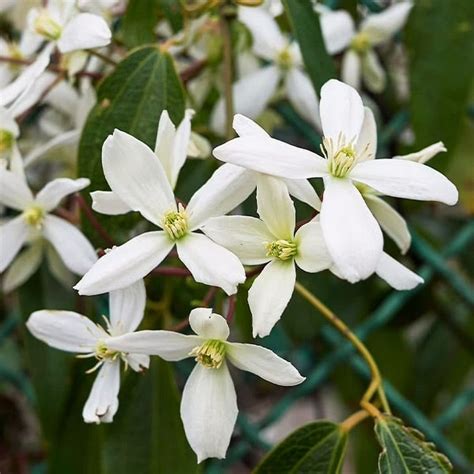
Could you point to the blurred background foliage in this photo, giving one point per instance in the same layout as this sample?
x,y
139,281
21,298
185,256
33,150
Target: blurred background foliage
x,y
423,340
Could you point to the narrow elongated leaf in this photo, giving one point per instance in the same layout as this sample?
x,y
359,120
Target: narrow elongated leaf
x,y
439,40
405,450
318,447
147,436
307,29
130,99
139,21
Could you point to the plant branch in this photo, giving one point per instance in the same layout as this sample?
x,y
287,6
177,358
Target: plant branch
x,y
102,57
226,17
353,420
376,382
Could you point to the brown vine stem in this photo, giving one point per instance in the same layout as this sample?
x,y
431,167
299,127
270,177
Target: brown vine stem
x,y
376,382
353,420
102,57
227,14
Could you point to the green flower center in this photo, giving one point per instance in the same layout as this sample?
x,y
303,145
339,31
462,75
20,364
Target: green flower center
x,y
46,26
176,223
360,43
34,216
281,249
6,140
285,59
341,155
102,352
211,354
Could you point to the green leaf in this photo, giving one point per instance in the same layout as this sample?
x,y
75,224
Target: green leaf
x,y
139,22
172,11
405,450
439,39
307,29
131,99
147,435
317,447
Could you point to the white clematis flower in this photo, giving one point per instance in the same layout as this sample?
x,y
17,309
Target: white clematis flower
x,y
351,232
360,60
62,26
36,220
271,240
253,92
141,183
10,156
209,405
72,332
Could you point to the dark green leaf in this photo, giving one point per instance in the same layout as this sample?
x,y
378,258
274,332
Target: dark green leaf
x,y
130,99
307,29
405,450
147,435
139,22
439,37
171,9
315,448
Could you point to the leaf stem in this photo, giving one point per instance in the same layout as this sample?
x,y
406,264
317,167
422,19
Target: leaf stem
x,y
376,382
226,17
102,57
354,420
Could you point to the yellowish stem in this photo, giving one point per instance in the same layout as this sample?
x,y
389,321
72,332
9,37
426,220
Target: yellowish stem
x,y
354,420
376,382
225,23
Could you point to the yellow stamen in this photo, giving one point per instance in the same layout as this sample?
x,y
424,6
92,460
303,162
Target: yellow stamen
x,y
281,249
176,223
211,354
46,26
361,43
7,140
34,216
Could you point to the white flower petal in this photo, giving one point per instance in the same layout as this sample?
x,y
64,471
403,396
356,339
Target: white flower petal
x,y
164,143
126,264
102,403
65,330
14,192
136,176
275,207
373,72
209,411
210,263
84,31
382,26
244,236
245,126
273,157
138,362
23,267
269,295
268,41
301,94
351,233
251,94
13,235
168,345
8,122
74,249
127,307
208,325
366,146
181,145
52,194
303,190
341,109
107,202
390,220
406,179
397,275
17,89
228,187
425,154
313,255
264,363
351,68
338,30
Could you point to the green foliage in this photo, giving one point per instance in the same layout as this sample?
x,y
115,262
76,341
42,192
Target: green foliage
x,y
405,450
131,99
439,37
316,447
171,9
307,29
147,435
139,22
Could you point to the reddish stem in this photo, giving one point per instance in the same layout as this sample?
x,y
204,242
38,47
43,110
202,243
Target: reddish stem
x,y
231,309
171,271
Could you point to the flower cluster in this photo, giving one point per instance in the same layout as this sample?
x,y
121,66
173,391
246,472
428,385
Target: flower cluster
x,y
211,236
